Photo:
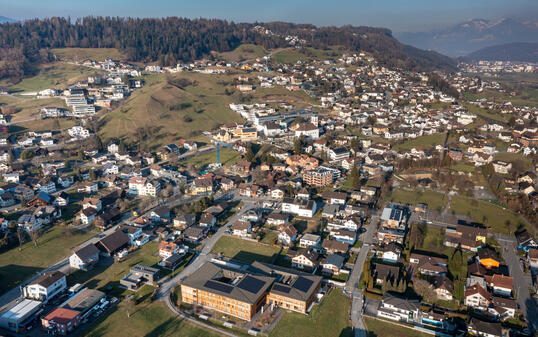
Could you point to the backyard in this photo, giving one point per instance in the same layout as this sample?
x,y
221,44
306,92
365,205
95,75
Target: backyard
x,y
378,328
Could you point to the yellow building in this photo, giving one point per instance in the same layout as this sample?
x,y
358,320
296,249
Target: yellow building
x,y
245,133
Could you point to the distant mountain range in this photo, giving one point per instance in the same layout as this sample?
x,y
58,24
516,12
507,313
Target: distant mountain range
x,y
4,19
472,35
518,51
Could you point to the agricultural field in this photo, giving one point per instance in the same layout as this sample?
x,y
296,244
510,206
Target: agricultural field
x,y
50,75
321,321
56,243
82,54
247,251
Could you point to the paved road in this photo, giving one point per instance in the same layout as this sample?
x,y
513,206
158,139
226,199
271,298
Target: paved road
x,y
353,280
522,281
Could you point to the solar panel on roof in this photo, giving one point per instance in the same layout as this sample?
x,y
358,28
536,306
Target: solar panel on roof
x,y
303,284
251,284
281,288
218,286
392,213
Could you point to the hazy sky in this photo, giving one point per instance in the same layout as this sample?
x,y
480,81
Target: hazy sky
x,y
399,15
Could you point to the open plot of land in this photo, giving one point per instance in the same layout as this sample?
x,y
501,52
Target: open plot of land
x,y
82,54
247,251
423,142
377,328
485,113
56,243
490,214
227,157
292,55
434,200
147,320
329,318
51,75
243,52
515,158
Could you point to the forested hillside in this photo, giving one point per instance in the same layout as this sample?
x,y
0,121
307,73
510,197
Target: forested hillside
x,y
170,40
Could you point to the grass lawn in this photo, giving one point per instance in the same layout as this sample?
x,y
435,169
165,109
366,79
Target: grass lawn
x,y
485,212
81,54
329,318
377,328
433,240
149,319
51,75
244,250
423,142
16,266
104,275
228,157
434,200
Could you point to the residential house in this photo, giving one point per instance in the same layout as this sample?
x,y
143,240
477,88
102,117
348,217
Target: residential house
x,y
305,259
332,265
45,287
288,235
398,308
84,258
241,228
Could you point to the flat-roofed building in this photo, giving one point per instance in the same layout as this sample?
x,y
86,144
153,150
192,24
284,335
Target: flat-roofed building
x,y
16,317
230,291
318,177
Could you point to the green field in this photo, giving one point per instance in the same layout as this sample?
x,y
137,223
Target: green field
x,y
227,157
434,200
244,250
292,55
525,162
243,52
485,113
16,266
461,167
82,54
52,75
484,212
329,318
378,328
423,142
149,320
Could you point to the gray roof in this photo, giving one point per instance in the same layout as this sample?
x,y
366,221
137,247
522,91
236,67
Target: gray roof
x,y
335,260
400,302
216,279
86,252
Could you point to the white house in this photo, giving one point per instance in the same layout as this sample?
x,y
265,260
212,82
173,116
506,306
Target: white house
x,y
300,207
84,258
45,287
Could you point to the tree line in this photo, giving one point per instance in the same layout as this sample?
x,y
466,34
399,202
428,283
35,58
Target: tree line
x,y
173,39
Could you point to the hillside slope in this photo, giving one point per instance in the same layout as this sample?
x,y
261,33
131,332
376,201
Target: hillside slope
x,y
515,52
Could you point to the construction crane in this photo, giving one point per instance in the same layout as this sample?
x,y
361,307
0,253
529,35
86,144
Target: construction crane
x,y
218,150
